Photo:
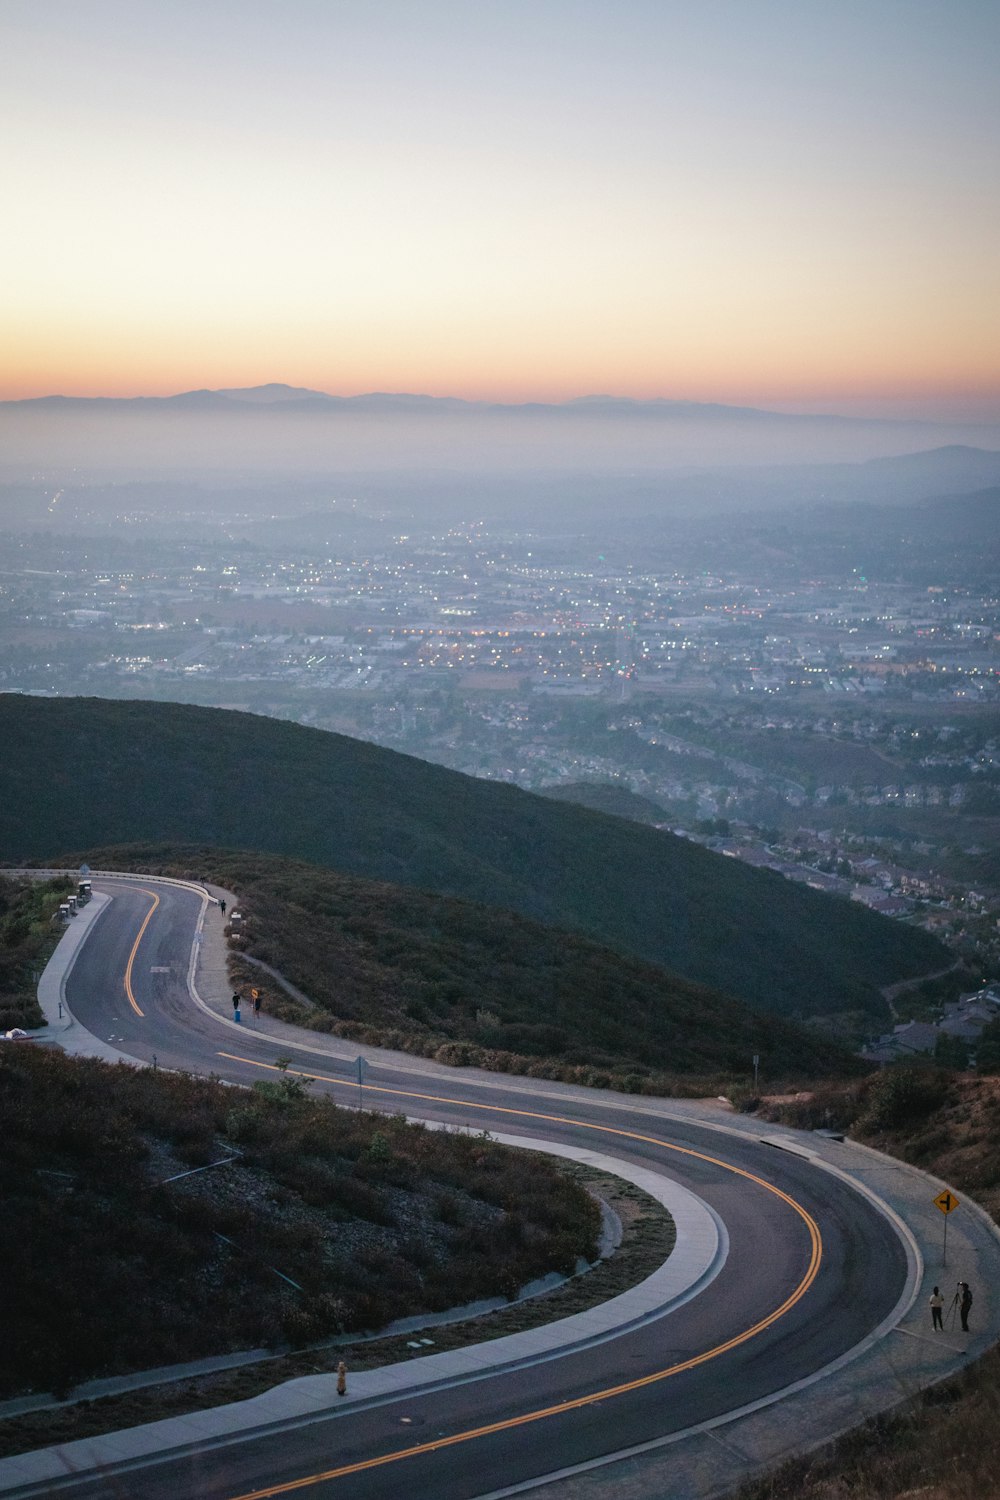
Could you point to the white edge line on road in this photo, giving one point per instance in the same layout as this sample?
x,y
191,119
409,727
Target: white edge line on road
x,y
85,1454
907,1297
906,1300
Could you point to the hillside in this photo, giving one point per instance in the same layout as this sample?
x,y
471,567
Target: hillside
x,y
940,1444
117,1257
474,985
602,796
27,938
79,772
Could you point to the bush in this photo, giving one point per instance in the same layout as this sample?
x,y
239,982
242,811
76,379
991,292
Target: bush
x,y
110,1267
396,967
244,1123
899,1096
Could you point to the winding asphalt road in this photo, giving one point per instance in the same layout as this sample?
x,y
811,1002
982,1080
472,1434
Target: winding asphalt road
x,y
812,1265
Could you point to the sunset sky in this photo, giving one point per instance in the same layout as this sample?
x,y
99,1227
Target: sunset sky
x,y
789,203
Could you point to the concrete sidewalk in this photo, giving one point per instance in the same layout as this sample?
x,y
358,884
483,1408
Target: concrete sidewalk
x,y
702,1246
893,1362
699,1254
62,1028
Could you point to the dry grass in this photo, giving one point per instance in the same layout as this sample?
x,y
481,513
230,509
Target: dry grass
x,y
942,1444
943,1122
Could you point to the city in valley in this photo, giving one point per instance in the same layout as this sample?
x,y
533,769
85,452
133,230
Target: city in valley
x,y
826,710
500,750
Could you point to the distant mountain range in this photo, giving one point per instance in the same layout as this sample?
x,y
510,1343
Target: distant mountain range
x,y
288,398
600,453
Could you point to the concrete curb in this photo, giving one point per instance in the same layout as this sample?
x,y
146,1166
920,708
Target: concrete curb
x,y
62,1027
895,1361
700,1254
889,1365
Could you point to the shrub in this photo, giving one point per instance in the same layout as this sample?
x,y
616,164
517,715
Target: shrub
x,y
244,1123
898,1096
110,1268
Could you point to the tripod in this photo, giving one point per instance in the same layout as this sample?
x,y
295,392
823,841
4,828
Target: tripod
x,y
953,1309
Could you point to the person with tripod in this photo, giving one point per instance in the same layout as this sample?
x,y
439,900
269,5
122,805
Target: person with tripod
x,y
964,1299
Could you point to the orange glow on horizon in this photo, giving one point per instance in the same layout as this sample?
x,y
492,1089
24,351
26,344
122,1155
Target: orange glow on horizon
x,y
498,204
734,360
980,400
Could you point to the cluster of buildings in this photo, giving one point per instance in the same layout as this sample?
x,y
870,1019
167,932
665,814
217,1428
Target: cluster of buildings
x,y
963,1022
482,613
715,694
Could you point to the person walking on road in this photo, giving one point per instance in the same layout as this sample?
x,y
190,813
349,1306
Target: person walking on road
x,y
964,1303
222,905
937,1314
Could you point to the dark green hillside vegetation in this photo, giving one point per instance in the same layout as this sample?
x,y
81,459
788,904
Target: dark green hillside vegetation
x,y
110,1267
471,985
27,937
82,772
607,797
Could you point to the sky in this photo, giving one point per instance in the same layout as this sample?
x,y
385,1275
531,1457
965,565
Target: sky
x,y
782,203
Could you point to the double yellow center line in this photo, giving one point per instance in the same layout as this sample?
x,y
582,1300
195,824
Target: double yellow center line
x,y
135,948
610,1392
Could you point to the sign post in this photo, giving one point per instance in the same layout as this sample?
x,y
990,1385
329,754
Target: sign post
x,y
947,1203
362,1068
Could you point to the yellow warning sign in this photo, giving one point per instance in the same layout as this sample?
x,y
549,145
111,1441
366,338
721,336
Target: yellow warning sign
x,y
946,1201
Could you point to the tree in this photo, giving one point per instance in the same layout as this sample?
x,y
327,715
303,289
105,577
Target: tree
x,y
988,1049
952,1052
284,1090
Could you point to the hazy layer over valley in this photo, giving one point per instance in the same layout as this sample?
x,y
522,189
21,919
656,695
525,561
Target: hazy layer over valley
x,y
578,453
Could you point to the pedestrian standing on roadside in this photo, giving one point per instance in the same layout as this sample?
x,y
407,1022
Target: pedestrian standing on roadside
x,y
341,1379
937,1305
236,1002
964,1303
222,906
